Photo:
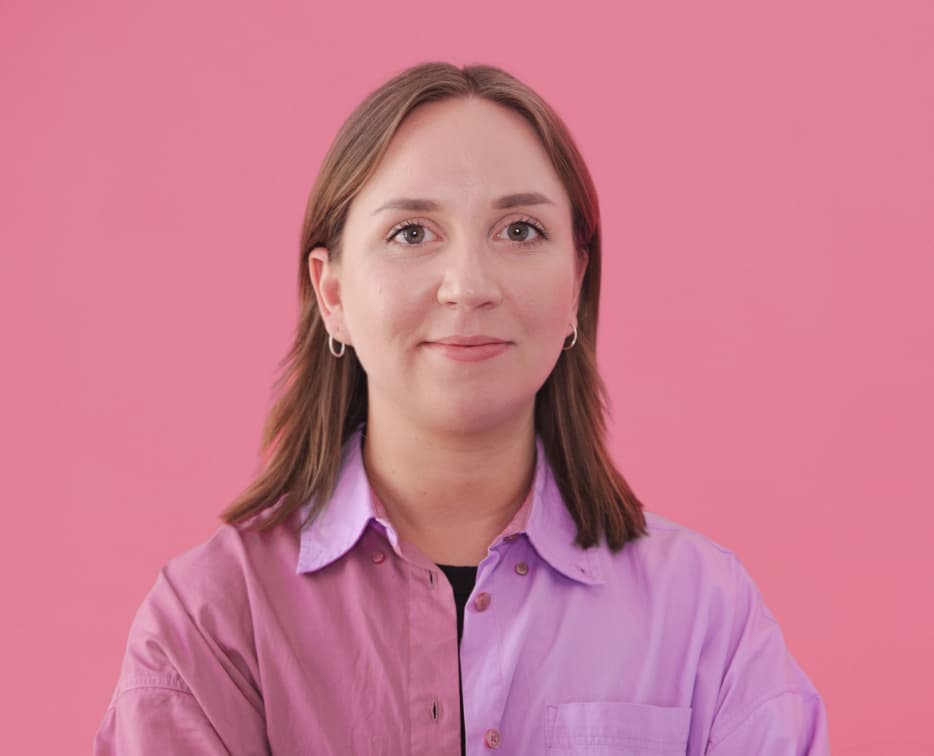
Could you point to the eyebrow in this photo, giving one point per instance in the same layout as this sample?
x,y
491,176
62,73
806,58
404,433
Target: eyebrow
x,y
503,203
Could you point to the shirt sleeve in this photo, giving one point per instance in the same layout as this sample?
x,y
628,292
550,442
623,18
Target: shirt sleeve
x,y
180,691
152,716
766,704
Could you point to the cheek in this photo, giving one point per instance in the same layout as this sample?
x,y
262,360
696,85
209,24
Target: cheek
x,y
381,306
546,308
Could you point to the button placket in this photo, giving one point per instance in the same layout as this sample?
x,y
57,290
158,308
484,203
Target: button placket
x,y
488,665
432,704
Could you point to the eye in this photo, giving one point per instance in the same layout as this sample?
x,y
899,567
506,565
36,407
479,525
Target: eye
x,y
518,232
412,233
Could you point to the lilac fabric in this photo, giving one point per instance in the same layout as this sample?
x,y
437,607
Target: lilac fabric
x,y
342,639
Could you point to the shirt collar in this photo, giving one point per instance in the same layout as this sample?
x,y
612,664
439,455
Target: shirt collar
x,y
552,530
340,523
543,518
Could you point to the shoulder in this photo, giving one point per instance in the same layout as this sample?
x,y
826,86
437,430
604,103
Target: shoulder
x,y
208,591
685,563
673,543
220,567
698,594
190,668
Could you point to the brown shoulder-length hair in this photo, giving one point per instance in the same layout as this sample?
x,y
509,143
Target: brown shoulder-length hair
x,y
320,401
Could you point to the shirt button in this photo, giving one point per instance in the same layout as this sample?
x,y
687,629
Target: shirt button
x,y
482,601
378,557
492,739
522,568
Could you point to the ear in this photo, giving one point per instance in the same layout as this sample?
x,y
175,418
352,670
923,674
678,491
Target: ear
x,y
324,278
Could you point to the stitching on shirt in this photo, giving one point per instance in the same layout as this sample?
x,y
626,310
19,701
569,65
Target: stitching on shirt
x,y
755,707
672,527
165,681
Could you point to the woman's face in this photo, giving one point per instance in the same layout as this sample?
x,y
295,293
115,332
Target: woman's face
x,y
431,251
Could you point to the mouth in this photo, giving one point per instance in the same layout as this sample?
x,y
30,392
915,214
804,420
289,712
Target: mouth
x,y
480,348
469,341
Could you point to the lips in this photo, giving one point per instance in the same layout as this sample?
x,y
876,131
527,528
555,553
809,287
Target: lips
x,y
468,348
478,340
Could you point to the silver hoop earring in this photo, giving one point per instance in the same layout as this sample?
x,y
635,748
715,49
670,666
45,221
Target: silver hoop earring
x,y
331,347
574,341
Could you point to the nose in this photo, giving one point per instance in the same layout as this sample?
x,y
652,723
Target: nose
x,y
469,279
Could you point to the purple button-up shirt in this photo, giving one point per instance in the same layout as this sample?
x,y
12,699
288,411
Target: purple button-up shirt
x,y
342,639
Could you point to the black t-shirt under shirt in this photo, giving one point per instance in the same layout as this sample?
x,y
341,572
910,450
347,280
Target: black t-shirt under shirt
x,y
462,579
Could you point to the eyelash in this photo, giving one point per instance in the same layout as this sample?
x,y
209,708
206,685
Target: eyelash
x,y
542,236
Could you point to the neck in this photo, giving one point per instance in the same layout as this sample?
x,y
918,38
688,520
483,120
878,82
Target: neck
x,y
449,494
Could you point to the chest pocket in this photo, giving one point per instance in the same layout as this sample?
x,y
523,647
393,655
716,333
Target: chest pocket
x,y
616,728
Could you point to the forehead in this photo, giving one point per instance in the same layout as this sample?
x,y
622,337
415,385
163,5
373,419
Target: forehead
x,y
462,152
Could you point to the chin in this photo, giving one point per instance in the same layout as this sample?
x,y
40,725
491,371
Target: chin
x,y
477,414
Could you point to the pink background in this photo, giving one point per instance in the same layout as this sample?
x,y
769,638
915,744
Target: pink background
x,y
766,176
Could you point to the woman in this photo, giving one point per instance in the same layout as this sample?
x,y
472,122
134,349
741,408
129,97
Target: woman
x,y
438,555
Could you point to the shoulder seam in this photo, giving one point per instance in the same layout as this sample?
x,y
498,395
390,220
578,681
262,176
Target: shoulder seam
x,y
165,682
678,528
759,704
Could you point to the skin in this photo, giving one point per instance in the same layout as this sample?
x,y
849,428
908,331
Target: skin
x,y
450,446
